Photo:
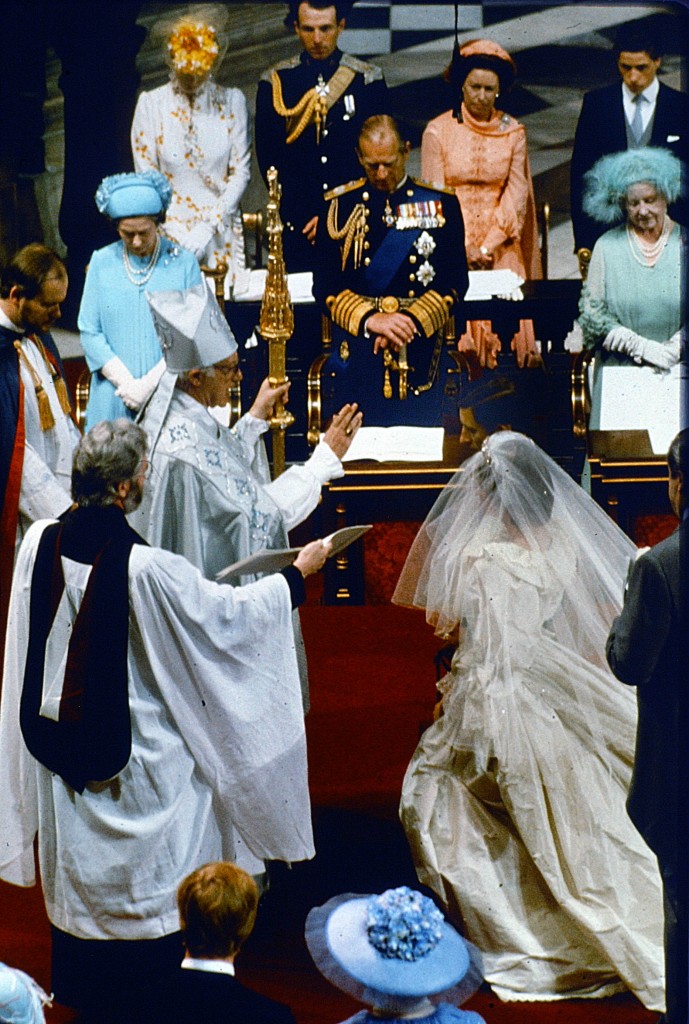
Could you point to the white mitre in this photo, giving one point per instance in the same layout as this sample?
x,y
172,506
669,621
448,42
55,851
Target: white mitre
x,y
192,329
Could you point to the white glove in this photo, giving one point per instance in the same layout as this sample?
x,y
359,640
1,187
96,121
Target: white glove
x,y
131,390
198,238
152,378
643,350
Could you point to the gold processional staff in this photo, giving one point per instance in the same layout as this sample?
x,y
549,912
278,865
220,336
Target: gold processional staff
x,y
276,322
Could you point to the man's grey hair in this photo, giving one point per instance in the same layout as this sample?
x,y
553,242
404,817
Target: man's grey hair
x,y
110,454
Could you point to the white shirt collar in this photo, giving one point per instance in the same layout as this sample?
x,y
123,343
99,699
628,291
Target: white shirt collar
x,y
193,963
650,93
9,324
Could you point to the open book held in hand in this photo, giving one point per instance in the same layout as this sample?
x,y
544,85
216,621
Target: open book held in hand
x,y
272,561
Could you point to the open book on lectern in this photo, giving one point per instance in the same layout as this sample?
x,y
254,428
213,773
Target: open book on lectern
x,y
266,560
396,444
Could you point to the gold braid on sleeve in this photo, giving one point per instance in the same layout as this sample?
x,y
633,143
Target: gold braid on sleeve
x,y
349,309
353,231
431,311
311,107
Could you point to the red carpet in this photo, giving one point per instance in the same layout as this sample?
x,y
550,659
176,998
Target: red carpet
x,y
372,690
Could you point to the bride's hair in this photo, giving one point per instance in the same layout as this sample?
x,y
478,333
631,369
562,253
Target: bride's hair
x,y
519,472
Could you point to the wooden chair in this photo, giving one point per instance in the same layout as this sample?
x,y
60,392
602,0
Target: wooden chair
x,y
82,397
543,217
445,360
582,366
313,384
253,227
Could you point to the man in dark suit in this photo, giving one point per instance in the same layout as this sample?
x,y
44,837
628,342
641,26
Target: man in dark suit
x,y
643,650
308,113
217,911
638,111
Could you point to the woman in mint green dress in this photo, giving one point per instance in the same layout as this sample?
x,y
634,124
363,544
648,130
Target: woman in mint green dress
x,y
631,303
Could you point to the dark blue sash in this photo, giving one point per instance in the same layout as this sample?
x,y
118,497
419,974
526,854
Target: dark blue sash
x,y
388,259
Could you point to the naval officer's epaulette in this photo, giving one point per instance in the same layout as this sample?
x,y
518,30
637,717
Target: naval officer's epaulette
x,y
283,65
371,72
433,186
342,189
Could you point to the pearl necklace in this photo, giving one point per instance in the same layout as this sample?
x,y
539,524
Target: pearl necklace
x,y
649,254
141,276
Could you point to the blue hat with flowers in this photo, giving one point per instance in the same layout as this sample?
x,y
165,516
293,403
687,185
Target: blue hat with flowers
x,y
133,195
21,998
392,949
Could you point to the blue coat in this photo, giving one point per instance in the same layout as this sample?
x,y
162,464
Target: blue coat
x,y
115,320
311,165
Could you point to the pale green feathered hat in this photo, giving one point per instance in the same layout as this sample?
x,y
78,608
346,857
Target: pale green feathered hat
x,y
606,184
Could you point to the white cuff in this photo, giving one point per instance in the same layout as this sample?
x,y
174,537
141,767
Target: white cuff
x,y
252,427
116,372
152,378
324,464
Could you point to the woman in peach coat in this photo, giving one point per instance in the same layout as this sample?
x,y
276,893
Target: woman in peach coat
x,y
481,153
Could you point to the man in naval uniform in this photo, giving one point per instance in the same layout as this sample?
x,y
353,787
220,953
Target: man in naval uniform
x,y
309,110
391,268
38,435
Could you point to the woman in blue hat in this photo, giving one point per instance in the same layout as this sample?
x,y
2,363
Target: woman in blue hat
x,y
631,310
21,998
396,953
117,333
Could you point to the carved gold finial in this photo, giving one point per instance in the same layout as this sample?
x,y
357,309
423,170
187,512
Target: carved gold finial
x,y
276,321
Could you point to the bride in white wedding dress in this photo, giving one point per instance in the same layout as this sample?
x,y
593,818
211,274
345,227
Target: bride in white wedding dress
x,y
514,801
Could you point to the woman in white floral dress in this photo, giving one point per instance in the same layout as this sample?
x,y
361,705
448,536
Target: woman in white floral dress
x,y
196,133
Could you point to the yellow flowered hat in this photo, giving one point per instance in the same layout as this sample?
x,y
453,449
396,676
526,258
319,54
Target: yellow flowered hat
x,y
195,43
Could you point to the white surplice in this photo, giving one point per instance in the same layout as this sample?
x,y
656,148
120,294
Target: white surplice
x,y
218,747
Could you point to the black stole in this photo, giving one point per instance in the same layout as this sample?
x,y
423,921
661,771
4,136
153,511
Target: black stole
x,y
91,740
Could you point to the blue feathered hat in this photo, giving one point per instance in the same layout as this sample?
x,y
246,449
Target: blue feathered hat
x,y
606,184
145,194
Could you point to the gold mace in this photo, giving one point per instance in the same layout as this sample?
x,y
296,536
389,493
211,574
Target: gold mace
x,y
276,322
